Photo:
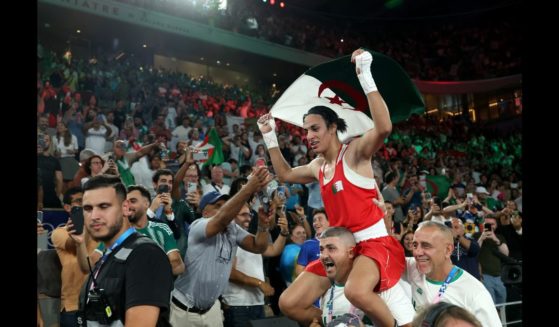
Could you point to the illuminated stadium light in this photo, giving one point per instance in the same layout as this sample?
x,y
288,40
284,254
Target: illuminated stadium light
x,y
272,2
144,45
342,40
282,4
78,31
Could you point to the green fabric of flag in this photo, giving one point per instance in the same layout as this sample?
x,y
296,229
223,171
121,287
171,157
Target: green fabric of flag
x,y
438,185
216,157
334,84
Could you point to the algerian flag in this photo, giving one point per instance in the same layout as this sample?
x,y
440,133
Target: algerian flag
x,y
334,84
209,151
437,185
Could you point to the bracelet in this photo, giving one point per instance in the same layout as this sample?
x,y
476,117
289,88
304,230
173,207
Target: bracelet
x,y
284,234
263,229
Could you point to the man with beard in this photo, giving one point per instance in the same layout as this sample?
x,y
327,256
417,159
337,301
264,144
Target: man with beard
x,y
160,233
434,278
337,256
132,282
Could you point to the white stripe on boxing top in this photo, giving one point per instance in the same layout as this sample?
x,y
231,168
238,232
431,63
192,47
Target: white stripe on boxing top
x,y
353,177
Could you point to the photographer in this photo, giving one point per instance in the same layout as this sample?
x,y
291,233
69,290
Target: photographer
x,y
465,250
492,247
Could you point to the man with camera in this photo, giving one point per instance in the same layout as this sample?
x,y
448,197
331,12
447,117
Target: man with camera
x,y
131,283
466,249
492,247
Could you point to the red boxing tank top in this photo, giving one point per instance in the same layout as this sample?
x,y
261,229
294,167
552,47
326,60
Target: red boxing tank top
x,y
347,204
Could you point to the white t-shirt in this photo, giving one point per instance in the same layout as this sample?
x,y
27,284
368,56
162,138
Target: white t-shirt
x,y
251,265
463,290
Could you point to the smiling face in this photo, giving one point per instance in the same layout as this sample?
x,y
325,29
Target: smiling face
x,y
319,135
432,249
336,257
319,222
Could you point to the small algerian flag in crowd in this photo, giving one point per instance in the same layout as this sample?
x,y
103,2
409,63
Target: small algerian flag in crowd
x,y
209,151
437,185
334,84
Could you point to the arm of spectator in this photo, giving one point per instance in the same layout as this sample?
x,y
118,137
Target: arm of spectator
x,y
145,150
179,176
454,207
259,243
276,248
177,264
142,316
302,219
241,278
58,183
258,179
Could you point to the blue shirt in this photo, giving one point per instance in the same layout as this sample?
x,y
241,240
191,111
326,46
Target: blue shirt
x,y
310,251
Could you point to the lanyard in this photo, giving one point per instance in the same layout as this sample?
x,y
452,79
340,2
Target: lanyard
x,y
330,303
445,284
118,241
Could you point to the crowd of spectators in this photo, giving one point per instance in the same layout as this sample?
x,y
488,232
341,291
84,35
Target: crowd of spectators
x,y
91,111
460,48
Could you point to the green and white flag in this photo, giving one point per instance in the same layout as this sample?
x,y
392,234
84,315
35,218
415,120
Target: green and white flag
x,y
334,84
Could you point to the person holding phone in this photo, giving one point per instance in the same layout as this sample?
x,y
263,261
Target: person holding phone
x,y
67,239
351,199
492,247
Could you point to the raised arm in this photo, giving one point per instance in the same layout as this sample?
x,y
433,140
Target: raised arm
x,y
373,139
302,174
258,179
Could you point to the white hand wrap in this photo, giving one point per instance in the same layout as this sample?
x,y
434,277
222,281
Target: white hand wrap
x,y
270,138
363,62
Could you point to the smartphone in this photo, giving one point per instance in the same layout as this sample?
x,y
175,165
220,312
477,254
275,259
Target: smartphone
x,y
487,227
469,197
260,162
191,188
163,188
77,219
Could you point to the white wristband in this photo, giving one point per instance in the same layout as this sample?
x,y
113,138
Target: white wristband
x,y
270,138
363,63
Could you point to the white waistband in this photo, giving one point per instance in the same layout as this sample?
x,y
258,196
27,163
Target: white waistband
x,y
375,231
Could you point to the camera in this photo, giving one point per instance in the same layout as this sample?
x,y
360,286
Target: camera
x,y
470,228
100,306
264,201
487,227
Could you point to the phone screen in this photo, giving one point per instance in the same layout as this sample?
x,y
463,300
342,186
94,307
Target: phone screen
x,y
163,188
39,216
77,219
487,227
191,188
260,162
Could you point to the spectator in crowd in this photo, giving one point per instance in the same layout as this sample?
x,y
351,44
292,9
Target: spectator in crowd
x,y
136,278
244,296
139,199
216,183
51,173
213,242
125,160
444,314
310,249
466,249
493,246
434,278
63,239
337,256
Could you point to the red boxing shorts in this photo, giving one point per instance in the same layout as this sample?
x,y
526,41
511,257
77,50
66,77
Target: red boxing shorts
x,y
387,252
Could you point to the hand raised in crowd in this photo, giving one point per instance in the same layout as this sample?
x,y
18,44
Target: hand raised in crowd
x,y
162,198
282,223
79,239
265,219
193,198
258,179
